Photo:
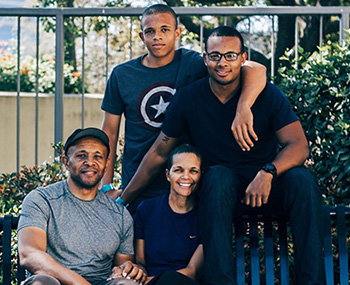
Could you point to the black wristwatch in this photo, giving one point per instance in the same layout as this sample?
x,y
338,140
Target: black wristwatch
x,y
270,168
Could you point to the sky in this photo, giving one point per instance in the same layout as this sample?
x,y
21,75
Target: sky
x,y
12,3
7,24
20,3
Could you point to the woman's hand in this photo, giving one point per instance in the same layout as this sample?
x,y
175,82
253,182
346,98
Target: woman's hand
x,y
128,270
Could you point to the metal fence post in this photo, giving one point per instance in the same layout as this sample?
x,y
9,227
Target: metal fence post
x,y
18,118
344,27
59,81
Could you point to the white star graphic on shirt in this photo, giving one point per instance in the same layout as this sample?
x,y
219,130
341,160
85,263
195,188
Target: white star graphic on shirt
x,y
160,107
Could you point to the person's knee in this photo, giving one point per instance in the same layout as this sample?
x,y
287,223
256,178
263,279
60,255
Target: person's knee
x,y
301,185
217,181
41,279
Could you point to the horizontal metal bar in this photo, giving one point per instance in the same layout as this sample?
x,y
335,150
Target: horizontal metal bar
x,y
227,10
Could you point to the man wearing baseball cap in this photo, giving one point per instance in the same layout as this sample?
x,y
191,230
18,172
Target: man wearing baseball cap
x,y
70,232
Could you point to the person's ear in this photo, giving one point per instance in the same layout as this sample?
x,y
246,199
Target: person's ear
x,y
141,36
205,58
167,174
64,160
244,58
177,33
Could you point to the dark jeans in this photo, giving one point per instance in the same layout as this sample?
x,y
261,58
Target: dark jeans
x,y
43,279
172,278
294,193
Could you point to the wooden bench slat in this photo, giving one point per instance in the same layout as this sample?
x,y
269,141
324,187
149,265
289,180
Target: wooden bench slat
x,y
254,251
327,239
268,243
343,254
239,244
282,229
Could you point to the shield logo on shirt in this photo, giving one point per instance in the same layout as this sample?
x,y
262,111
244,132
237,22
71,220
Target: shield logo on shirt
x,y
153,102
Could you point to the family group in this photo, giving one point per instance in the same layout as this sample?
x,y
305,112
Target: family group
x,y
207,139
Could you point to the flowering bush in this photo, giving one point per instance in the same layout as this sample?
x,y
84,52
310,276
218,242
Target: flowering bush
x,y
46,76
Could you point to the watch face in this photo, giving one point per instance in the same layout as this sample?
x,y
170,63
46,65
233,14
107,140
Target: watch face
x,y
270,168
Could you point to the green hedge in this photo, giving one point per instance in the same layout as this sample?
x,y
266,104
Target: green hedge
x,y
319,91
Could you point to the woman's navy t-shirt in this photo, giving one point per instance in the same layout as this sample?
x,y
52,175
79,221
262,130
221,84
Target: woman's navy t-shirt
x,y
170,238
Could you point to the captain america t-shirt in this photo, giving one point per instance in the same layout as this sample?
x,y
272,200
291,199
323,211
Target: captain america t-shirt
x,y
143,95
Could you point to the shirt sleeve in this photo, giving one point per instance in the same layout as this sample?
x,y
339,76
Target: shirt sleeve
x,y
35,211
127,241
281,113
112,101
174,124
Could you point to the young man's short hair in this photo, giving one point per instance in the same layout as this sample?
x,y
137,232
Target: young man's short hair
x,y
158,9
225,31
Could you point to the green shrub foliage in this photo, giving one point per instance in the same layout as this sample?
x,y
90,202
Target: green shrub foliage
x,y
318,87
15,186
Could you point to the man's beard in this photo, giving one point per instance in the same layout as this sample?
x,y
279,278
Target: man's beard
x,y
85,185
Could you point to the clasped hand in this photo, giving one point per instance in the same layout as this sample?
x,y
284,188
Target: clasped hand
x,y
128,270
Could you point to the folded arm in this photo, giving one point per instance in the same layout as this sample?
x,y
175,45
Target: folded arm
x,y
149,167
254,81
33,256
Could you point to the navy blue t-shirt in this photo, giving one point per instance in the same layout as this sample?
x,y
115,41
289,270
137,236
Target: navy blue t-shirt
x,y
196,111
170,238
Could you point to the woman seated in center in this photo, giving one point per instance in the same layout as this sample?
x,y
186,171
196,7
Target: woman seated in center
x,y
167,238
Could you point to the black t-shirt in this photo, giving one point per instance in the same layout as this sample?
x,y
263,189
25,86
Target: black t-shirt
x,y
196,111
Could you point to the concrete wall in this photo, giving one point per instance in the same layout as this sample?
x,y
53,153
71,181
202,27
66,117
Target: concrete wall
x,y
72,120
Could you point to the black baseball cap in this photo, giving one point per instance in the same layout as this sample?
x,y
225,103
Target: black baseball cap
x,y
87,132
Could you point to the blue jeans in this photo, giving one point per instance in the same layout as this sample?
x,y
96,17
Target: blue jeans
x,y
294,193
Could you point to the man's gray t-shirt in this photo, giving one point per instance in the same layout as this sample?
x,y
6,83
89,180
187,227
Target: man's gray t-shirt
x,y
83,236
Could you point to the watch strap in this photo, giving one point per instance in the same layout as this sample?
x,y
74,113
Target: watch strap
x,y
121,202
107,187
270,168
